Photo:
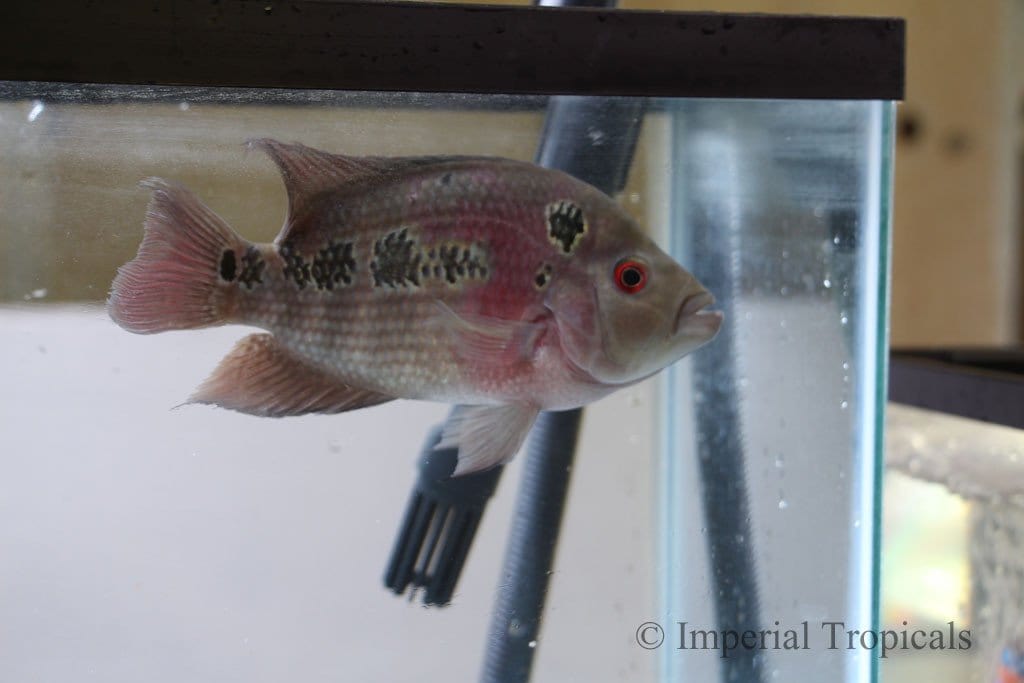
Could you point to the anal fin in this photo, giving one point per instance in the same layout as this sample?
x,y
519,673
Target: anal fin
x,y
260,377
487,435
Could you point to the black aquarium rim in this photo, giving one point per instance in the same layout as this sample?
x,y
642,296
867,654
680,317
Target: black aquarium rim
x,y
428,47
978,383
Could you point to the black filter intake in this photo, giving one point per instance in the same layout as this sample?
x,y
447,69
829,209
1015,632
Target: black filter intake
x,y
440,521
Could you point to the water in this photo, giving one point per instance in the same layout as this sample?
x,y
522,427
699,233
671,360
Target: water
x,y
139,542
784,207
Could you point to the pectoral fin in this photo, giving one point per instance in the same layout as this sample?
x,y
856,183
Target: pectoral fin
x,y
489,340
260,377
486,435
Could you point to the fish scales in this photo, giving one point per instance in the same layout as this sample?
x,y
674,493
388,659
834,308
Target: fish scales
x,y
379,336
493,284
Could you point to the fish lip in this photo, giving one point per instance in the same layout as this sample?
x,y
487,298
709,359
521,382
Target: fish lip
x,y
692,306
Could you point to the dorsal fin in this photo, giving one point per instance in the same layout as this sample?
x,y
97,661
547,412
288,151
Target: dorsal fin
x,y
308,172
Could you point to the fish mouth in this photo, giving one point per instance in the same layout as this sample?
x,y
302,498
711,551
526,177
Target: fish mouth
x,y
692,310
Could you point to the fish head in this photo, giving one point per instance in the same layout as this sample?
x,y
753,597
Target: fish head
x,y
627,309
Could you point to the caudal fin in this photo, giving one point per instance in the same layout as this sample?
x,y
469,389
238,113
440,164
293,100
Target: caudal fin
x,y
182,276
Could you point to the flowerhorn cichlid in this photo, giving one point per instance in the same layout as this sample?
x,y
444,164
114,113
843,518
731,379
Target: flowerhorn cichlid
x,y
496,285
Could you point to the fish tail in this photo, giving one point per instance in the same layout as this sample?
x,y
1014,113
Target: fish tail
x,y
183,276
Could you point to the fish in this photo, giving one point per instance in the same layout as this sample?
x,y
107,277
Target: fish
x,y
495,285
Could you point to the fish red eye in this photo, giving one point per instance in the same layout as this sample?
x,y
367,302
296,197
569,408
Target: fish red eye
x,y
630,276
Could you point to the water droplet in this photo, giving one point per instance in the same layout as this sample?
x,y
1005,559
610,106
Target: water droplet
x,y
846,365
783,504
844,404
35,111
827,283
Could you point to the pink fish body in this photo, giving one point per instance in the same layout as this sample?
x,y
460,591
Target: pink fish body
x,y
493,284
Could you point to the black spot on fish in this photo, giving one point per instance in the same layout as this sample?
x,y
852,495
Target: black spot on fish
x,y
252,267
543,277
446,179
333,265
396,261
227,265
296,269
565,224
458,261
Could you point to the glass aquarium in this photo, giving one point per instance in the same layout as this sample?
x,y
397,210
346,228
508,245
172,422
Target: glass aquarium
x,y
738,490
954,514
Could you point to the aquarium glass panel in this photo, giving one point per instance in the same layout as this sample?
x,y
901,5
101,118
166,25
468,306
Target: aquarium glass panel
x,y
143,539
770,466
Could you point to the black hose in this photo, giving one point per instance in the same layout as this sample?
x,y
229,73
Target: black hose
x,y
593,139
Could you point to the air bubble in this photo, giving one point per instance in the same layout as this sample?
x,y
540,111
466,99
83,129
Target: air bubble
x,y
783,504
827,283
